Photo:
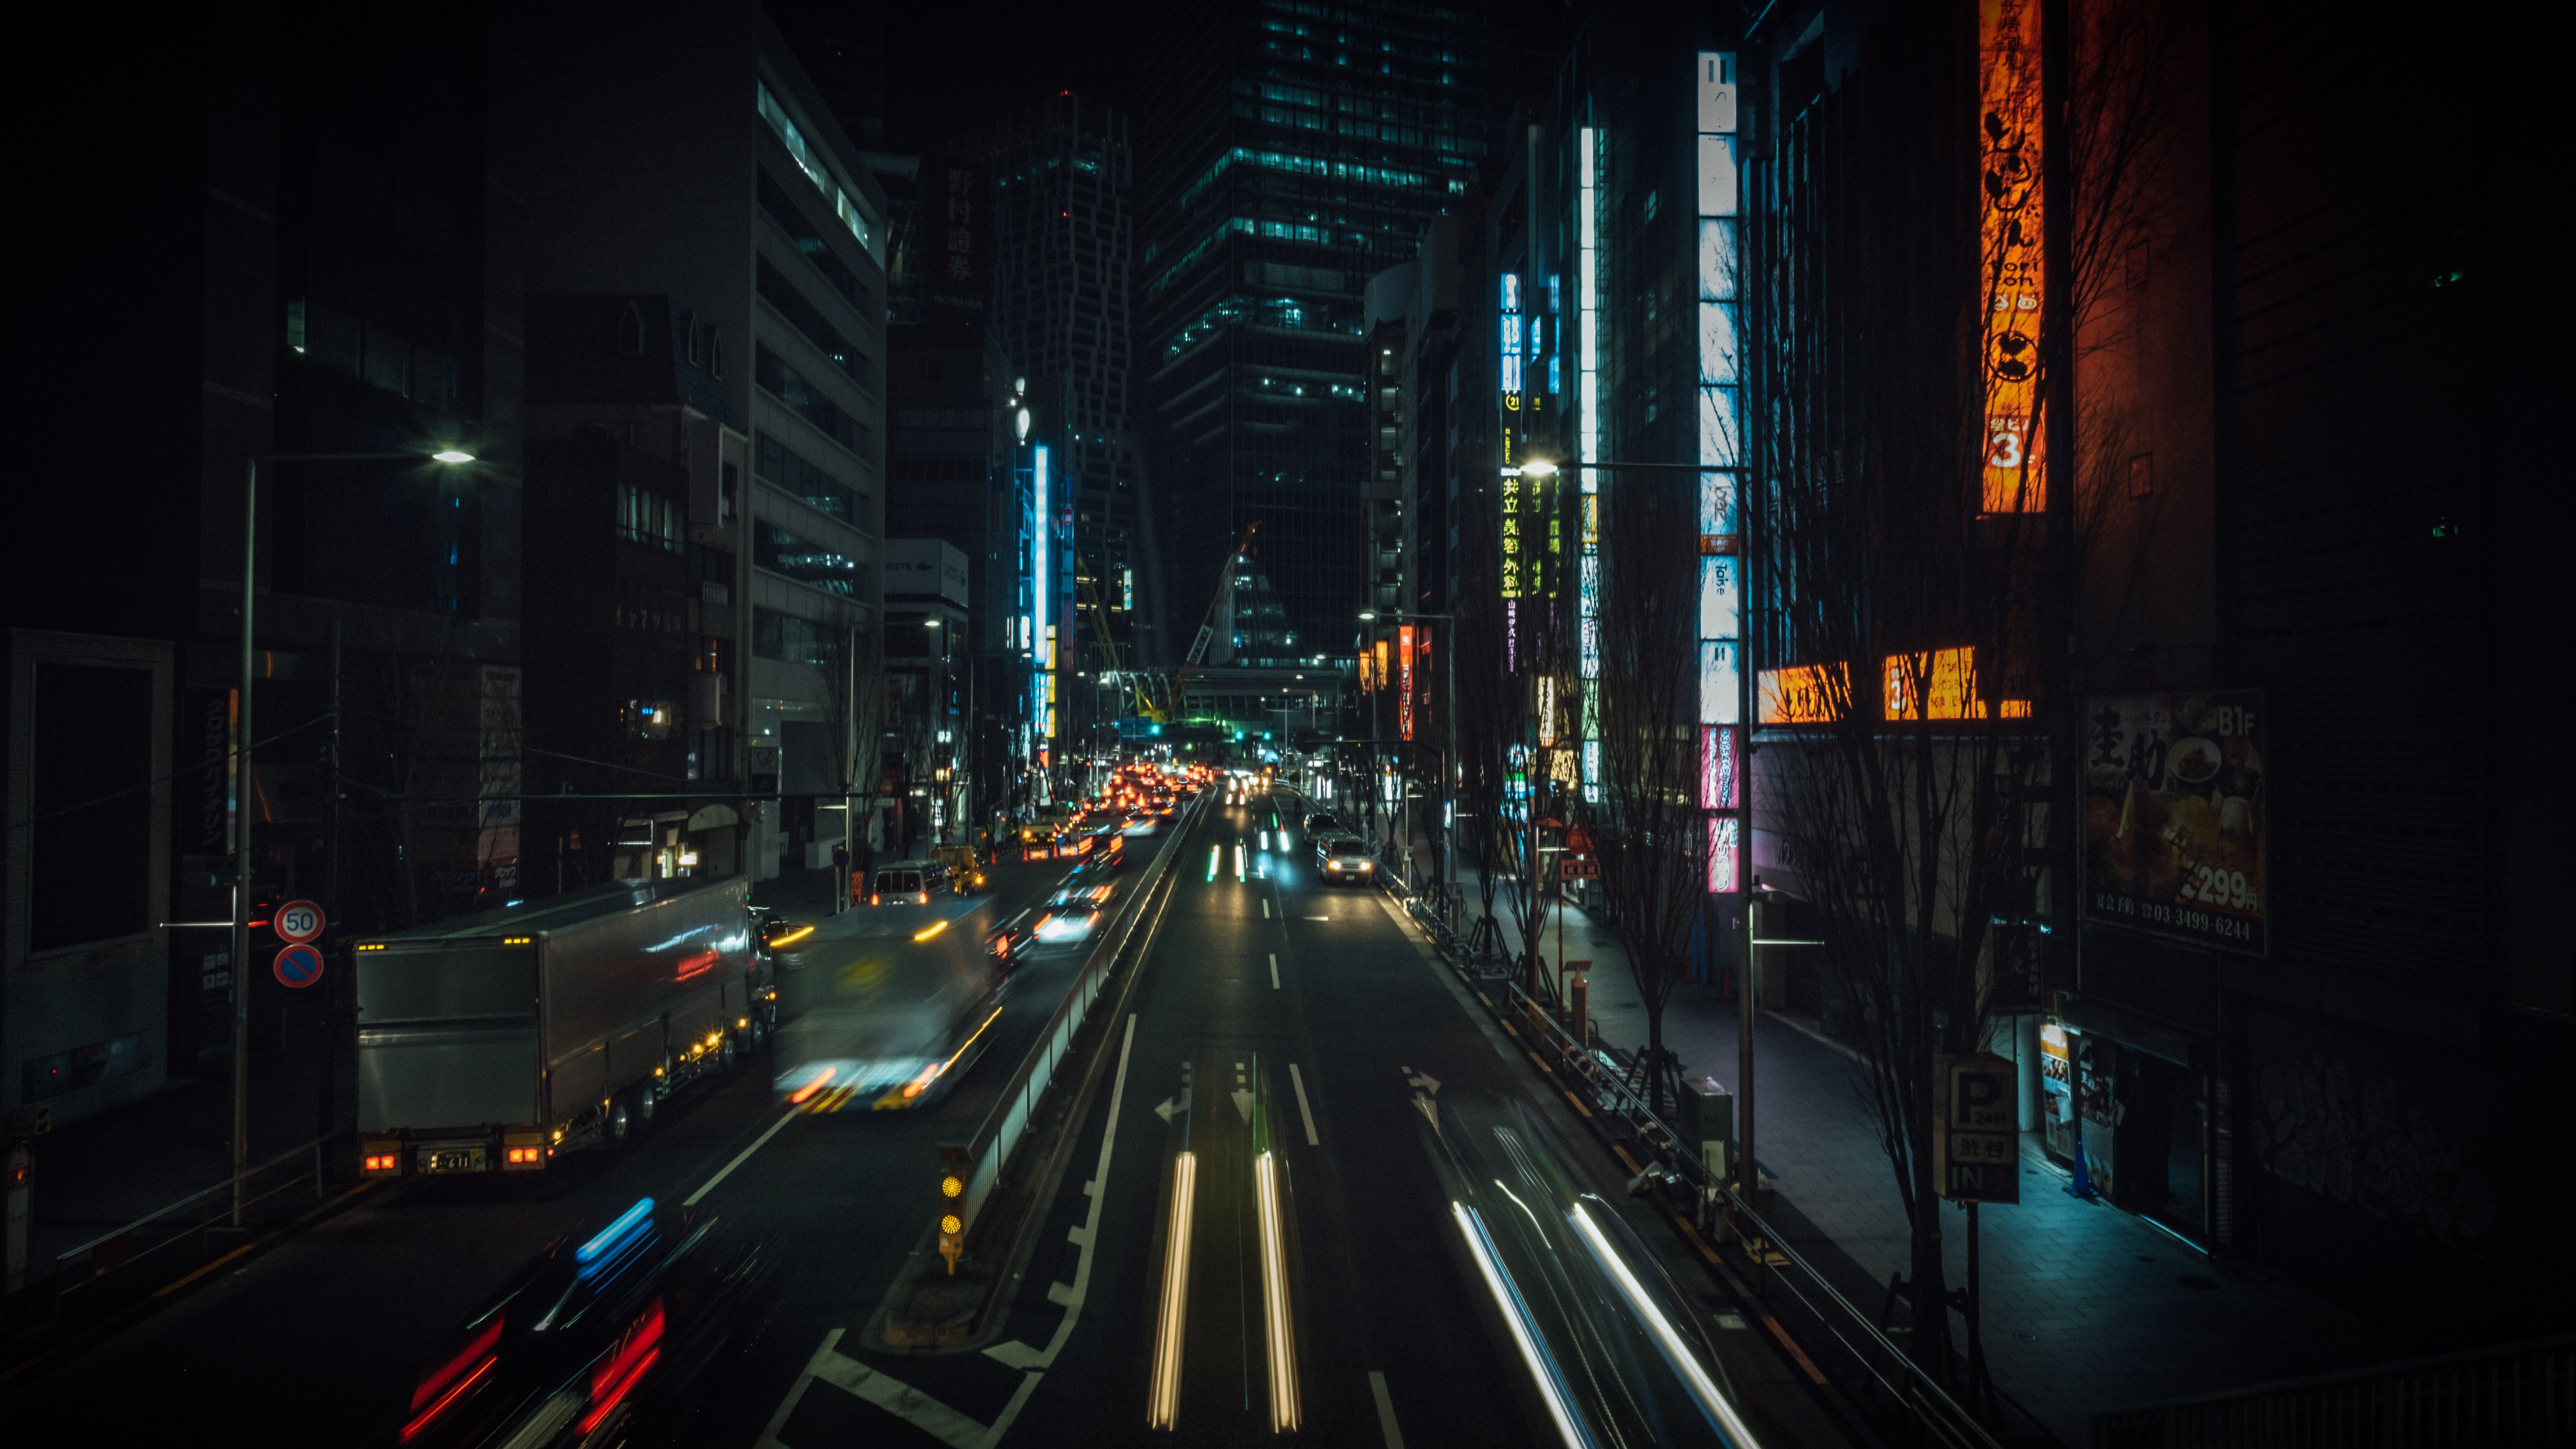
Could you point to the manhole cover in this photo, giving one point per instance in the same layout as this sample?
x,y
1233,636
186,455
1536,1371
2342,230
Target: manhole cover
x,y
2194,1280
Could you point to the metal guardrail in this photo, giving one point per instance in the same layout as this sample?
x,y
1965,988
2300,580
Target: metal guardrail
x,y
1887,1364
994,1139
2519,1393
121,1247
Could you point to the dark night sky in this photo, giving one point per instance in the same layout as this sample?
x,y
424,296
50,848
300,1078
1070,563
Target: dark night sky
x,y
953,65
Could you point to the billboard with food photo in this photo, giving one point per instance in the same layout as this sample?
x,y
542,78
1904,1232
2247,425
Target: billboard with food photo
x,y
2173,816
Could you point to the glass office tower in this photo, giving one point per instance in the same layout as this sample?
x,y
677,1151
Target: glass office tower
x,y
1287,151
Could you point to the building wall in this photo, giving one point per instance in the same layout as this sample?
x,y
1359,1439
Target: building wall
x,y
85,872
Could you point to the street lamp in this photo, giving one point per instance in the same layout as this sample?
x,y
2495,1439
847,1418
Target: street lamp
x,y
241,767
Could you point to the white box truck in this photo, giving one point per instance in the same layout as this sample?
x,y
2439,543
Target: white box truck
x,y
491,1042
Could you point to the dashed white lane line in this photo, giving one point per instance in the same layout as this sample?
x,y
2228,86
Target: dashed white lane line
x,y
1274,971
1385,1411
1298,1080
739,1159
1265,910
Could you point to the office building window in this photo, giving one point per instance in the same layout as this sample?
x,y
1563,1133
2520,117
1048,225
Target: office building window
x,y
809,241
809,319
777,463
791,387
795,640
806,561
649,518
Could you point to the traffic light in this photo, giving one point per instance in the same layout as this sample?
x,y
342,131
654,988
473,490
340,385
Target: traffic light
x,y
953,1169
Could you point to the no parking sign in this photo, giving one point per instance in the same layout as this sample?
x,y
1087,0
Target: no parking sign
x,y
299,965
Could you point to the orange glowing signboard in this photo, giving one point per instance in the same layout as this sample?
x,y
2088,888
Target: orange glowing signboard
x,y
1938,685
2009,133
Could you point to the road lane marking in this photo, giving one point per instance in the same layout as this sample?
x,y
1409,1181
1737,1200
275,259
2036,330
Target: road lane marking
x,y
1385,1411
1265,910
739,1159
1297,1080
1274,970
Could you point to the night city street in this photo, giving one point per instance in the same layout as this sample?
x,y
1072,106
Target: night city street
x,y
1385,723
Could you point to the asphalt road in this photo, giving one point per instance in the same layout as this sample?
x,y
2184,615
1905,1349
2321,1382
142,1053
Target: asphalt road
x,y
1280,1016
320,1340
1329,1093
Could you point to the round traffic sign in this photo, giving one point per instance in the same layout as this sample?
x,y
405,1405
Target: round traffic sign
x,y
299,965
298,922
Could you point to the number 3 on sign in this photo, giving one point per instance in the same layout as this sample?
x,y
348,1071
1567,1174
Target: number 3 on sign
x,y
2003,443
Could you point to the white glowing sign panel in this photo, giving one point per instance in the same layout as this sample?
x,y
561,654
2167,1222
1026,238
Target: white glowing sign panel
x,y
1721,451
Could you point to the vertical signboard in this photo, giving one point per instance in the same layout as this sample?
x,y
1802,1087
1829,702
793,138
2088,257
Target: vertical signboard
x,y
1042,632
2174,805
1721,452
1404,678
2009,233
954,233
1587,442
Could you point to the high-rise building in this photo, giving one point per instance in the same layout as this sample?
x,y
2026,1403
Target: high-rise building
x,y
1061,238
681,152
1289,152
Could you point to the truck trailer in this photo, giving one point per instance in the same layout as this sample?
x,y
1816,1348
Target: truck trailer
x,y
493,1041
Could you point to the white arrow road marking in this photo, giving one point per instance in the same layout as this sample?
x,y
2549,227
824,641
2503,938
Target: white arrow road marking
x,y
928,1414
1166,1107
1243,1104
1422,1082
1303,1111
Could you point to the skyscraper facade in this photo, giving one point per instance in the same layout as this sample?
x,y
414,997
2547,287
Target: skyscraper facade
x,y
1061,238
1291,150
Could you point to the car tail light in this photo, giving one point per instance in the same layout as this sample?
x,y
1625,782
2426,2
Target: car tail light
x,y
874,898
923,898
443,1386
622,1367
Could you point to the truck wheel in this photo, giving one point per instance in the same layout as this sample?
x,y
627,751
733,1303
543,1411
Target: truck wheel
x,y
648,1098
616,1123
724,1055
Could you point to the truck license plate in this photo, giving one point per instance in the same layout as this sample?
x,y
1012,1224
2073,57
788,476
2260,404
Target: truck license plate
x,y
455,1159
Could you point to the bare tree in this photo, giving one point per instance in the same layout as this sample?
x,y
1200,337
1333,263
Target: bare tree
x,y
1928,716
1491,719
1648,827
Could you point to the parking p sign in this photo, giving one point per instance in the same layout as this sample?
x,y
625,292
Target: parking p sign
x,y
297,922
1976,1144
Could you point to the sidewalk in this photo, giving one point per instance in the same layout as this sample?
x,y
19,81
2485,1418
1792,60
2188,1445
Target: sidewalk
x,y
103,1172
2086,1307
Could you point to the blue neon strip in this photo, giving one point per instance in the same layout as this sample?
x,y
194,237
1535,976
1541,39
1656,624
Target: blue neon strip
x,y
609,1235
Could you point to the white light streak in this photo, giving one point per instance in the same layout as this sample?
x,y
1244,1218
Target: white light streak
x,y
1274,1295
1163,1399
1676,1350
1542,1367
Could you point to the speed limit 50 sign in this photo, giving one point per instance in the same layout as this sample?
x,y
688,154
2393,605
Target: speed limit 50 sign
x,y
297,922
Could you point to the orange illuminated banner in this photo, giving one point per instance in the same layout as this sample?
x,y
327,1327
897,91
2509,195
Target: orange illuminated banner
x,y
2009,135
1938,685
1804,694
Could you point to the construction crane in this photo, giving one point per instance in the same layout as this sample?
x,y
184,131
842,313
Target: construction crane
x,y
1225,581
1109,646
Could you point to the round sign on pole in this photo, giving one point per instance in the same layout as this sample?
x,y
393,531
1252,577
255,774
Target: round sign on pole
x,y
297,922
299,965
